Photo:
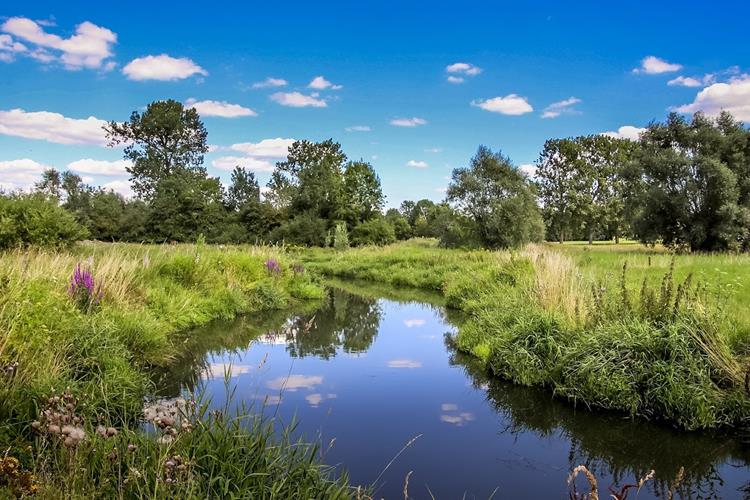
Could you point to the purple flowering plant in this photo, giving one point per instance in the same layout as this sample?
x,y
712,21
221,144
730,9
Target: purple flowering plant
x,y
83,289
273,267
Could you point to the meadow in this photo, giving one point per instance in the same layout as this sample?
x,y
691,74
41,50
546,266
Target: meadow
x,y
627,328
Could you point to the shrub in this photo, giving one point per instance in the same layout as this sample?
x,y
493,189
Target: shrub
x,y
341,236
374,232
304,229
35,220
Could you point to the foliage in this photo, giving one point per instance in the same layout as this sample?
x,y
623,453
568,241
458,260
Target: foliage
x,y
165,140
84,289
695,184
35,220
373,232
498,201
340,236
363,196
304,229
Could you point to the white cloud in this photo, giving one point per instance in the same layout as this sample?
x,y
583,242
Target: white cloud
x,y
162,67
52,127
561,107
411,323
511,104
320,83
20,174
257,156
221,109
255,164
626,132
685,81
268,148
408,122
458,419
295,382
298,100
457,72
217,371
90,46
433,150
463,69
732,96
100,167
417,164
404,363
121,187
358,128
529,169
270,82
9,48
652,65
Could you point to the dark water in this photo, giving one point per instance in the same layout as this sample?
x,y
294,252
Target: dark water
x,y
375,372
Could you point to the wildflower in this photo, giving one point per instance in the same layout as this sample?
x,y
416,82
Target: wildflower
x,y
273,266
83,289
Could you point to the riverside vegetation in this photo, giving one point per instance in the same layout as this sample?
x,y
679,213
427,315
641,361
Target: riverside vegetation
x,y
81,327
632,332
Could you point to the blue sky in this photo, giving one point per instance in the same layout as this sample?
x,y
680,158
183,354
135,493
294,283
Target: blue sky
x,y
64,67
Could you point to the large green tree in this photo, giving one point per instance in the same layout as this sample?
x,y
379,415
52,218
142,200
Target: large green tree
x,y
166,139
695,182
498,199
363,196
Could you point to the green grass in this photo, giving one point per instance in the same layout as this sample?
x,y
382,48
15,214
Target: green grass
x,y
103,356
573,320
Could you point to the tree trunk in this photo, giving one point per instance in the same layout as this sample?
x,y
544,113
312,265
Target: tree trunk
x,y
591,235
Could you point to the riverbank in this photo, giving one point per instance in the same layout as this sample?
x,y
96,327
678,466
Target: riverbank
x,y
663,348
82,328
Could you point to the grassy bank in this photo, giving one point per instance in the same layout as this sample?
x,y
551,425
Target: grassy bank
x,y
649,338
98,345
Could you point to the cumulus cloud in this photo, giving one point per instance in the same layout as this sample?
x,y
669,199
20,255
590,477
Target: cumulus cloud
x,y
320,83
412,323
358,128
221,109
52,127
685,81
652,65
529,169
457,72
732,96
269,83
20,174
417,164
256,156
511,104
316,398
298,100
100,167
121,187
268,148
626,132
90,47
408,122
561,107
162,67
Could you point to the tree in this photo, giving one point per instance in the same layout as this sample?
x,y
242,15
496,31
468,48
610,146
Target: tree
x,y
244,189
498,199
51,184
363,196
400,225
377,231
164,140
695,178
555,178
310,179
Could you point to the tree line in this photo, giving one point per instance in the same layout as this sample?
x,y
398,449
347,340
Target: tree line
x,y
685,183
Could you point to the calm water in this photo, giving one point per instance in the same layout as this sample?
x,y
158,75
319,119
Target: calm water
x,y
375,372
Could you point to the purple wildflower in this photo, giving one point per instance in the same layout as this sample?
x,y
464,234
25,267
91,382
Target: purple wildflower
x,y
83,289
273,267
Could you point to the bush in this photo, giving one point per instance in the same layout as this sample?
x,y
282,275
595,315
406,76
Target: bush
x,y
341,236
373,232
35,220
304,229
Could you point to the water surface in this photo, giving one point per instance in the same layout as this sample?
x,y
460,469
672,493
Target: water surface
x,y
371,370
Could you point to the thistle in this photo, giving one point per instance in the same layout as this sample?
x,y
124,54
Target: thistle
x,y
273,266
